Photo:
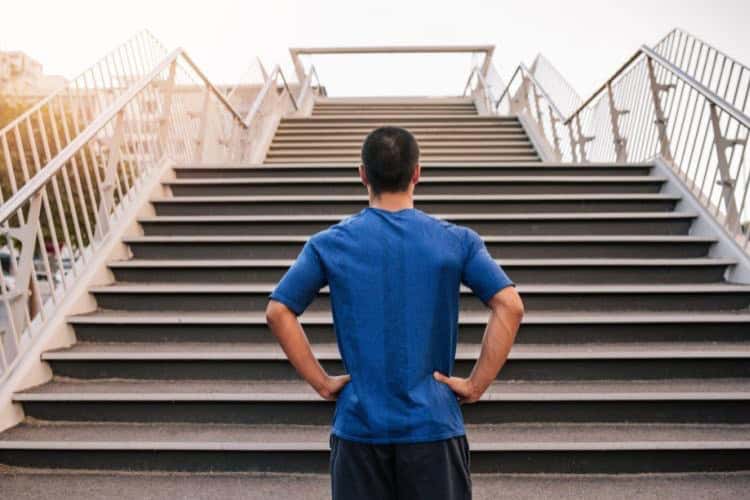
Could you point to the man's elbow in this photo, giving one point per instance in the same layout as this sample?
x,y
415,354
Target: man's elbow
x,y
508,302
276,312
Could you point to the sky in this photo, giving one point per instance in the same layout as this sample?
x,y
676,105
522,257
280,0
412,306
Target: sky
x,y
585,39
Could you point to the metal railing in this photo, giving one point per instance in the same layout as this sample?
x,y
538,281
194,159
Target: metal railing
x,y
558,88
682,101
274,100
75,161
480,90
311,87
530,96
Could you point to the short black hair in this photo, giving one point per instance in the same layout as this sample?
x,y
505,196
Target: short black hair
x,y
390,155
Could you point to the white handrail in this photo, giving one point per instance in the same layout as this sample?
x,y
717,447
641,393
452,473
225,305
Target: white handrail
x,y
657,103
85,175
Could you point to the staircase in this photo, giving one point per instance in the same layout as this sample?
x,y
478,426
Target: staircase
x,y
634,355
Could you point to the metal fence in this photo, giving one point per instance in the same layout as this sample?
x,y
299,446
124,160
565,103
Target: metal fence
x,y
683,101
74,161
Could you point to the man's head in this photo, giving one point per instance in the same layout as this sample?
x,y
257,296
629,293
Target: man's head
x,y
390,160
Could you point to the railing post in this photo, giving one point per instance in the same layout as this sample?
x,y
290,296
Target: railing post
x,y
538,107
726,182
167,111
553,121
24,299
200,141
661,120
582,140
621,150
110,177
573,142
520,101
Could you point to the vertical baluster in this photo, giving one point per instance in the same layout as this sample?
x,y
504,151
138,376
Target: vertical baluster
x,y
200,140
58,203
66,183
661,120
621,154
110,176
76,174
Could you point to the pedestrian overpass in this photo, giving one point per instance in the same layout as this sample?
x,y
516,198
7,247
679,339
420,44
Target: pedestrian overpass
x,y
623,217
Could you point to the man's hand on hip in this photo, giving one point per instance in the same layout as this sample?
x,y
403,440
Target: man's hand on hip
x,y
505,318
332,386
464,388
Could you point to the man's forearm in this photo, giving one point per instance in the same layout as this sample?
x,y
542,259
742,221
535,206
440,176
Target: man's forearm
x,y
496,344
507,312
291,336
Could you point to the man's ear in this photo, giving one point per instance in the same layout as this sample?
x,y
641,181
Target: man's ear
x,y
417,173
363,175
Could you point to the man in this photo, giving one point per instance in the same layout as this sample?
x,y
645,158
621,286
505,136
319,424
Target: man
x,y
394,275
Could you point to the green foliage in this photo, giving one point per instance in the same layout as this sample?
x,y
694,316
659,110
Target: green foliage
x,y
29,148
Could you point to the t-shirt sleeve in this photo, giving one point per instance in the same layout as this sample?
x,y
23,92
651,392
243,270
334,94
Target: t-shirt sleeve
x,y
481,273
302,281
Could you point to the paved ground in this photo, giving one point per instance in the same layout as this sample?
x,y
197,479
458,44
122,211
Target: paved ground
x,y
18,484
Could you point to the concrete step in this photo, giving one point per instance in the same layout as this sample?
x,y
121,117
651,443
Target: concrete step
x,y
354,159
400,119
397,107
46,484
295,403
448,129
254,297
389,113
529,271
437,185
614,223
405,109
467,150
505,448
391,100
349,204
425,140
569,328
235,171
437,144
266,361
507,247
326,154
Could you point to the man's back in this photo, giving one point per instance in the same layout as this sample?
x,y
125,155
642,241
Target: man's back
x,y
394,275
394,279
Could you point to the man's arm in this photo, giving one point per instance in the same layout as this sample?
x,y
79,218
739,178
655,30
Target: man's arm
x,y
286,327
506,313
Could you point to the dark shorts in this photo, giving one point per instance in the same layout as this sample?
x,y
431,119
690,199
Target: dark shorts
x,y
435,470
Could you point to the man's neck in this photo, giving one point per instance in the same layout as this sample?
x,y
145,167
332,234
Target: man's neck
x,y
392,201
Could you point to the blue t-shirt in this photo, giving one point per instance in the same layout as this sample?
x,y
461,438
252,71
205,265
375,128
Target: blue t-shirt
x,y
394,281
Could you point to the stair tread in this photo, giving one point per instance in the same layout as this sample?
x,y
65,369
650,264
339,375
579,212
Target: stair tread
x,y
138,287
423,197
365,117
238,437
546,165
355,150
229,390
513,141
426,180
329,351
531,318
448,216
487,239
582,262
47,484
